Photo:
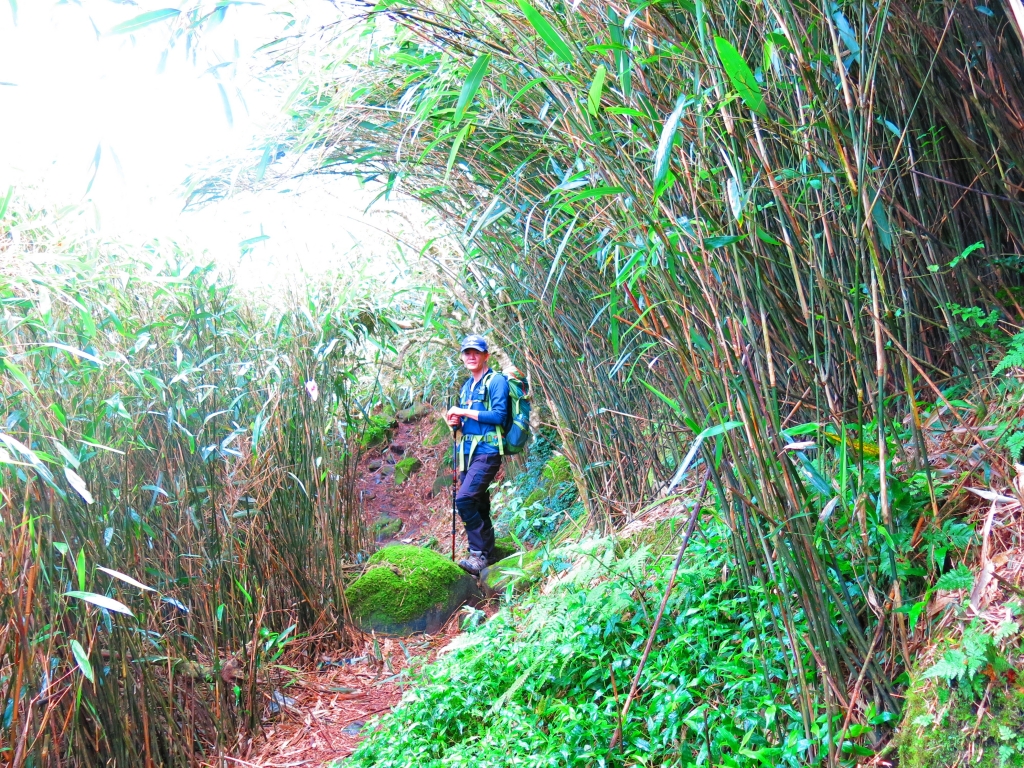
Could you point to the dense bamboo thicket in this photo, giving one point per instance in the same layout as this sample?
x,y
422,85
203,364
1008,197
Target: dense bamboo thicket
x,y
736,226
176,466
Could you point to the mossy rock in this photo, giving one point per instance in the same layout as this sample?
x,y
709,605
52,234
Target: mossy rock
x,y
441,483
440,433
386,527
938,727
406,468
408,589
522,569
504,546
378,430
412,413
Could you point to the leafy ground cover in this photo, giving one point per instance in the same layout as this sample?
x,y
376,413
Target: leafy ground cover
x,y
542,682
968,704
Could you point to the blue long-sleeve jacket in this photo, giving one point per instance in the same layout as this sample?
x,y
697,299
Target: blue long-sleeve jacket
x,y
473,397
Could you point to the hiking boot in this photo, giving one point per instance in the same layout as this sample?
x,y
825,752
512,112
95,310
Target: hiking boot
x,y
473,564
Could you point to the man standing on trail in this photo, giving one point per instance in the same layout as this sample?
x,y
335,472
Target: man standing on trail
x,y
481,414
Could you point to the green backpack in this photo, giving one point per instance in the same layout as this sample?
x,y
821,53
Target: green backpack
x,y
515,434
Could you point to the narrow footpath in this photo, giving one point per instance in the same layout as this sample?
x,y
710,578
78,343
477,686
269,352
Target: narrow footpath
x,y
320,717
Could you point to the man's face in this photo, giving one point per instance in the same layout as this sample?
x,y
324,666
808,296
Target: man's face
x,y
474,359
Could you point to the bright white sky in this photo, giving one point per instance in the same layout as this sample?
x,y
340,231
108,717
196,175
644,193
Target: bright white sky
x,y
69,86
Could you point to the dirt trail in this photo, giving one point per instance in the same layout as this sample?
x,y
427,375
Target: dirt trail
x,y
322,717
423,517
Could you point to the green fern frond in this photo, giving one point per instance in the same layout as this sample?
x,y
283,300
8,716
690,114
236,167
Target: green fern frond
x,y
1014,357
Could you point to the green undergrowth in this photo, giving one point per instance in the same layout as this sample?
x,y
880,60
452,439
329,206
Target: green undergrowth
x,y
401,583
377,430
534,685
539,499
968,706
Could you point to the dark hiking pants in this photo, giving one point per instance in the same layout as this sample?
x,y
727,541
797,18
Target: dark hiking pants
x,y
474,501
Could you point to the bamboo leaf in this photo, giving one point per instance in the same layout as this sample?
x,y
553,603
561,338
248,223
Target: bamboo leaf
x,y
69,457
455,150
78,484
741,77
670,402
144,20
735,196
718,429
18,374
125,578
595,192
546,31
668,135
73,351
82,659
6,201
80,568
882,227
106,603
964,254
470,87
596,89
720,241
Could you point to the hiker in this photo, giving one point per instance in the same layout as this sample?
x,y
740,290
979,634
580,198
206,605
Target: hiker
x,y
483,409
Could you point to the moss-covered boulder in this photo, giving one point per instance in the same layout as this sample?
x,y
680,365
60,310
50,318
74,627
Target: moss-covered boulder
x,y
406,468
412,413
408,589
522,570
554,472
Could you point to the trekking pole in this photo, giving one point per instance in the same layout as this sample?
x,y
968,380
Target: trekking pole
x,y
455,480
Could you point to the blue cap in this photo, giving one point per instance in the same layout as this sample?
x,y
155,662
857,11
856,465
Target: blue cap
x,y
473,341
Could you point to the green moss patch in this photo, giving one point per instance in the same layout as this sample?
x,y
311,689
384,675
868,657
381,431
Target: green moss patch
x,y
537,494
661,538
504,546
406,468
378,431
941,727
413,412
385,527
523,569
401,584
